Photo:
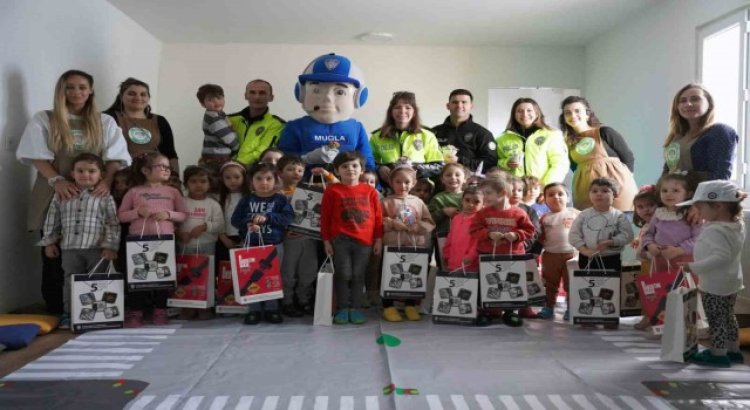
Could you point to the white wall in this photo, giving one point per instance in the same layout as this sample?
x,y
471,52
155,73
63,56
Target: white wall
x,y
431,72
41,40
633,72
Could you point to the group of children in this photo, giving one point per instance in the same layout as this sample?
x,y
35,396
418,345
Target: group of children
x,y
492,214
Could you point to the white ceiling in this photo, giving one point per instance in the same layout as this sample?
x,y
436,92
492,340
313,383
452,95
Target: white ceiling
x,y
412,22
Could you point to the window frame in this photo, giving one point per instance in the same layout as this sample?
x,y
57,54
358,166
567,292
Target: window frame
x,y
740,17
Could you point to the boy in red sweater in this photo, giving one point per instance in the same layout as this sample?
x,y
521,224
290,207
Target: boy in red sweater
x,y
351,226
501,229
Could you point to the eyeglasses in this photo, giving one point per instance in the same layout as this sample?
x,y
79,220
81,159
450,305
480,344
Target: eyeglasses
x,y
162,167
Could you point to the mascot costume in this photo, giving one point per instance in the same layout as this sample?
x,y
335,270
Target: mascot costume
x,y
330,89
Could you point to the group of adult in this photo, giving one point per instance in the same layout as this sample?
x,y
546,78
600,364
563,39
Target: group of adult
x,y
529,146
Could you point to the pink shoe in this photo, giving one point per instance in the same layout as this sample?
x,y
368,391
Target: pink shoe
x,y
160,317
133,318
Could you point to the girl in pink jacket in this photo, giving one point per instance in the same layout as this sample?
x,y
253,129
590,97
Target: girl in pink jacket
x,y
460,246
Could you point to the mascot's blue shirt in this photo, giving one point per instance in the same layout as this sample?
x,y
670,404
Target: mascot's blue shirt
x,y
304,134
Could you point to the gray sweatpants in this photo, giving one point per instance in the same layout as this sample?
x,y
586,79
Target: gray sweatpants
x,y
77,261
350,263
299,269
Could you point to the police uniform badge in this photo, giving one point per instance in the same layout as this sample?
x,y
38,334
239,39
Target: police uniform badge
x,y
539,140
259,130
468,136
418,145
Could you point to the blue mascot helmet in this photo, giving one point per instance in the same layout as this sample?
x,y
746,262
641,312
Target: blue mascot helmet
x,y
332,68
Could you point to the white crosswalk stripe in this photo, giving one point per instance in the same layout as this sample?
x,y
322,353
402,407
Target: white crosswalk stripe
x,y
434,402
87,355
459,402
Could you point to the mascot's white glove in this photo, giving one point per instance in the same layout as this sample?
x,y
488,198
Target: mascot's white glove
x,y
321,155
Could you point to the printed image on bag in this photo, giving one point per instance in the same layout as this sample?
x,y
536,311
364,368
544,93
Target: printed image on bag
x,y
225,301
630,300
594,296
537,296
195,282
503,280
653,290
455,298
97,301
404,272
256,275
306,202
151,262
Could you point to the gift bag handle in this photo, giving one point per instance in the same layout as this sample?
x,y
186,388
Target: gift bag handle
x,y
93,270
329,258
597,256
462,269
247,239
510,248
322,178
653,266
143,227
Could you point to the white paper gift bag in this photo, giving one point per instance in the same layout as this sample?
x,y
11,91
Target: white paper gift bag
x,y
503,281
324,295
151,262
97,300
404,274
679,339
455,297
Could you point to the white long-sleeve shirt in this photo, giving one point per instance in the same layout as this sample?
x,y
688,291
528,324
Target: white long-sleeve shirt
x,y
717,254
592,227
202,211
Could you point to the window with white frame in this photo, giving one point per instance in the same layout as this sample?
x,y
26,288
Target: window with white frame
x,y
723,69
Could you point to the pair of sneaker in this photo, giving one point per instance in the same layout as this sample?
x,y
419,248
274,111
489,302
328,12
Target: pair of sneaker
x,y
707,358
546,313
134,318
344,316
270,316
392,314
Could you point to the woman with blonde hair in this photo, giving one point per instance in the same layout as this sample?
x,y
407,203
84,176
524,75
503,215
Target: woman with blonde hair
x,y
50,142
695,141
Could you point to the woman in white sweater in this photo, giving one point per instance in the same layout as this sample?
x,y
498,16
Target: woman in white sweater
x,y
717,254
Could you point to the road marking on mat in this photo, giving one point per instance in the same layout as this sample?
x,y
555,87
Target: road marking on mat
x,y
219,402
71,366
558,402
484,402
583,402
508,402
295,403
141,402
18,375
371,403
633,403
609,403
434,402
244,403
458,402
321,403
533,402
169,402
193,403
270,403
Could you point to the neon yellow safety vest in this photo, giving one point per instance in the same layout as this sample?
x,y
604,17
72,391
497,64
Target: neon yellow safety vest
x,y
257,136
544,154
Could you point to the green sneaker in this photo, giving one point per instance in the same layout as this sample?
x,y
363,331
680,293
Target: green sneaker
x,y
736,357
341,317
706,358
356,317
